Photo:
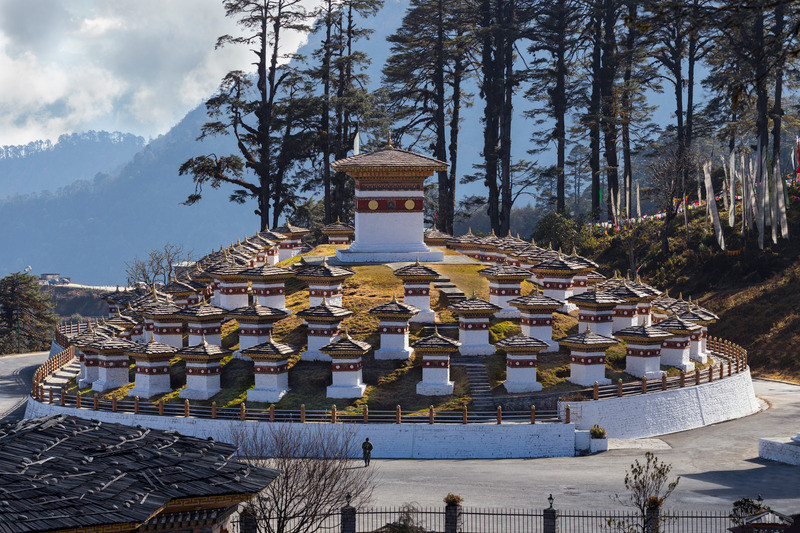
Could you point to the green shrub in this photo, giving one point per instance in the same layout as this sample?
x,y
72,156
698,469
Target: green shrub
x,y
596,432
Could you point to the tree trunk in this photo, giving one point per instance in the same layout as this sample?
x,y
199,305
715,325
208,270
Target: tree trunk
x,y
626,106
458,72
326,111
491,112
560,109
509,18
609,107
440,151
594,110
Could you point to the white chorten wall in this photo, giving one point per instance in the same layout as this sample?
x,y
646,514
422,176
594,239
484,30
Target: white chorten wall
x,y
696,347
435,376
394,340
587,367
601,321
625,316
473,333
270,294
212,331
539,326
346,378
645,312
202,380
233,294
112,372
168,332
644,360
675,352
500,293
331,292
521,373
560,289
272,382
419,295
250,335
319,335
151,379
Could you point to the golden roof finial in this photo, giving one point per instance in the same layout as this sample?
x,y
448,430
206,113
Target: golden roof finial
x,y
389,140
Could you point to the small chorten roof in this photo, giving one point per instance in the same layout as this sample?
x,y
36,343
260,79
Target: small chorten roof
x,y
596,277
596,299
256,312
111,345
311,273
558,263
124,321
694,316
389,157
633,334
203,310
226,270
474,306
505,272
435,234
344,346
338,228
203,352
580,260
270,350
536,302
416,271
325,310
290,230
152,348
86,338
630,292
587,339
161,310
436,343
679,325
267,273
521,344
272,235
394,309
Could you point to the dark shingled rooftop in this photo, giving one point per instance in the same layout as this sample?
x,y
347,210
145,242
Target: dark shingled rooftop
x,y
474,304
588,338
628,290
345,344
337,226
204,349
389,157
325,310
521,341
324,270
505,270
395,307
62,472
436,341
597,297
111,343
678,324
267,271
415,269
151,348
645,332
257,310
538,300
202,310
287,229
271,347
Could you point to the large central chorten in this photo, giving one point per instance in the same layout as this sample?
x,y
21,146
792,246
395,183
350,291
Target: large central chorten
x,y
389,202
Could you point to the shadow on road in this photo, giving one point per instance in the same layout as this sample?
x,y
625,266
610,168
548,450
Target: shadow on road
x,y
774,481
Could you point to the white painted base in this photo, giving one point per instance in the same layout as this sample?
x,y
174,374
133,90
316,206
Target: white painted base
x,y
643,367
679,358
486,349
424,317
197,394
341,391
111,378
514,387
695,354
601,328
347,256
586,375
784,450
148,392
393,354
266,395
598,445
434,389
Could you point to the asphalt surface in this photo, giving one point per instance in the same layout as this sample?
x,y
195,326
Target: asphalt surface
x,y
717,464
16,373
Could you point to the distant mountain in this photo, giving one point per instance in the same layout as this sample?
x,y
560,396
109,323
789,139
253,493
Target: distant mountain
x,y
43,166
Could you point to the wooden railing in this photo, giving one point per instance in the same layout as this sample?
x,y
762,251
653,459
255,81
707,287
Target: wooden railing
x,y
53,364
66,328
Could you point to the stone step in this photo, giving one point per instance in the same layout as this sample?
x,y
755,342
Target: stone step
x,y
479,387
441,286
442,279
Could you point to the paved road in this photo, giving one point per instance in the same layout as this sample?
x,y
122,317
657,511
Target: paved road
x,y
717,464
16,373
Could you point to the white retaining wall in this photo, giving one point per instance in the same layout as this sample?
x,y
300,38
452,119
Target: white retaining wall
x,y
393,441
55,349
658,413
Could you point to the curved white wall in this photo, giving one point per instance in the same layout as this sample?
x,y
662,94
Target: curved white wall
x,y
658,413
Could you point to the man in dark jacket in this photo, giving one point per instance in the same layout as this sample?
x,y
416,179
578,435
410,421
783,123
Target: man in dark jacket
x,y
366,447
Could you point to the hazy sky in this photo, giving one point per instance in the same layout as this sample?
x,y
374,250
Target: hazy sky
x,y
130,65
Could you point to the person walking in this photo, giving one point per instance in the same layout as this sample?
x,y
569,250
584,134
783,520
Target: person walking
x,y
366,447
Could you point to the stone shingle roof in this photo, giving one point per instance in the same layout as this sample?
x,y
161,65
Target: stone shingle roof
x,y
347,345
536,300
415,270
87,337
473,305
323,270
177,286
272,235
559,263
694,315
289,229
678,324
389,157
266,272
161,309
325,310
588,338
629,291
505,271
339,227
202,310
257,311
111,344
436,342
151,348
394,307
435,233
520,342
63,472
644,332
597,298
122,320
271,348
204,350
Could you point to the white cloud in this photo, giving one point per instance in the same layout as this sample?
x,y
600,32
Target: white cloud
x,y
130,65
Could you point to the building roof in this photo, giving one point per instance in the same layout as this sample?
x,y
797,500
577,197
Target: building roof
x,y
520,342
597,298
325,310
588,338
678,324
267,272
630,291
559,263
62,472
122,320
344,344
271,348
177,286
272,235
536,300
338,227
204,350
505,271
644,332
323,270
202,310
473,305
436,342
151,348
389,157
415,270
395,307
290,229
435,233
110,344
257,311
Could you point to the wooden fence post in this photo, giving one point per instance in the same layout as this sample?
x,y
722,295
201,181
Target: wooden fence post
x,y
114,404
711,373
619,387
50,395
566,414
243,411
663,382
499,414
95,402
186,411
61,398
533,414
366,414
78,400
463,414
596,391
721,370
430,415
272,413
213,410
697,376
161,408
644,385
136,405
303,413
683,378
333,414
398,415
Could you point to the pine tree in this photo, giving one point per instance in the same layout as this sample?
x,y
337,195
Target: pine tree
x,y
27,320
258,117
